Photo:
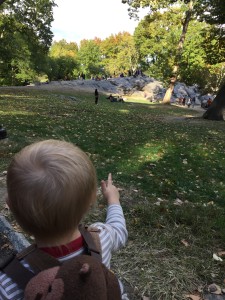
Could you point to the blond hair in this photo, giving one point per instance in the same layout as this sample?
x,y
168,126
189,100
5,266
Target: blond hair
x,y
51,185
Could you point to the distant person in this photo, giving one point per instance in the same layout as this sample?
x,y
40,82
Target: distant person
x,y
111,98
119,99
96,96
183,101
193,100
180,100
209,102
82,76
189,102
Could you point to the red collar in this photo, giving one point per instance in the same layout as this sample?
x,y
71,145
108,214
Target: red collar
x,y
63,250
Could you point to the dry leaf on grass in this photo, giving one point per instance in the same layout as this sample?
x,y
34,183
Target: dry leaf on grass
x,y
216,257
158,225
185,243
178,202
194,297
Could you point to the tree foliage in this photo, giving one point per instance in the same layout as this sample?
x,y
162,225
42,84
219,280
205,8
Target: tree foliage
x,y
119,53
90,58
211,11
62,49
203,48
62,60
61,68
156,38
25,37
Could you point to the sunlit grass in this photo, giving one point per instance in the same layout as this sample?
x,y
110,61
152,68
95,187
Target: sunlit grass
x,y
157,154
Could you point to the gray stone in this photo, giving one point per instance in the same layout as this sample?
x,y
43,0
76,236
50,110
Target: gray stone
x,y
18,240
141,86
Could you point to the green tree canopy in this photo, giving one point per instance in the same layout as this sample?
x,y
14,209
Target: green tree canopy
x,y
119,52
90,58
62,48
25,37
211,11
62,62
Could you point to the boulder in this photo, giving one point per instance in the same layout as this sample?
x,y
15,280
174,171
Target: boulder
x,y
137,86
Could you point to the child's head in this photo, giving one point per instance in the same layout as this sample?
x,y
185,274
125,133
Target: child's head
x,y
51,185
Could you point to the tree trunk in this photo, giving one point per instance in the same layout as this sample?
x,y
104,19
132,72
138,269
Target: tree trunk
x,y
169,91
188,14
215,111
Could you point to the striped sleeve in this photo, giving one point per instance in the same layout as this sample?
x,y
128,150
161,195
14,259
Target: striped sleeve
x,y
9,290
113,234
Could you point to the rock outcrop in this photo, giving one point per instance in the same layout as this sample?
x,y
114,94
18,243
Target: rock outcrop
x,y
139,86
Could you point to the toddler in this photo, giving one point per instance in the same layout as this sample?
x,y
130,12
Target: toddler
x,y
51,185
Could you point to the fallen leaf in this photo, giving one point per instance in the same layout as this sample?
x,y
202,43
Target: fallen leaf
x,y
178,202
158,225
216,257
193,297
185,243
210,203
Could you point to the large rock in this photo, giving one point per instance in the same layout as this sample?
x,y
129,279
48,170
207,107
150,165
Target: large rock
x,y
118,85
17,239
139,86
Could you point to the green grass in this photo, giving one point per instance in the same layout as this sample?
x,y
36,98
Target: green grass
x,y
157,154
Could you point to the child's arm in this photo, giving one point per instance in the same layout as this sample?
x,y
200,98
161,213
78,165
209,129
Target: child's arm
x,y
113,233
115,218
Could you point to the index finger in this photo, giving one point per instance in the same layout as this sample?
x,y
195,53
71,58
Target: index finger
x,y
110,178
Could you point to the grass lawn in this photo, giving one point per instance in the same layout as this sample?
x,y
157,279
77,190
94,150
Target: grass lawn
x,y
169,165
